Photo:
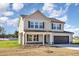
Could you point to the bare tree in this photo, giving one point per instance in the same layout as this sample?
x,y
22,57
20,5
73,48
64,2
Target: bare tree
x,y
2,31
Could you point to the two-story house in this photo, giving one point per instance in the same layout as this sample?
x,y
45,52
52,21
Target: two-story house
x,y
37,28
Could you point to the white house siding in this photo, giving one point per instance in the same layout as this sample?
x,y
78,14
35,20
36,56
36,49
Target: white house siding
x,y
40,18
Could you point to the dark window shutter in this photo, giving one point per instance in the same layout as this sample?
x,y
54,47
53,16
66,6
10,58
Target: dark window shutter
x,y
37,38
27,37
52,26
28,24
60,26
43,24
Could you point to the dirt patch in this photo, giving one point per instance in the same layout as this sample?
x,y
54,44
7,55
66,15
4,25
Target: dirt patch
x,y
49,51
38,51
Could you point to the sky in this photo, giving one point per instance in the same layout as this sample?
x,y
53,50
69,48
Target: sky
x,y
67,12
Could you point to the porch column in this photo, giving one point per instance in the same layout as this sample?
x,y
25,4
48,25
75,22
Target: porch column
x,y
43,39
51,39
23,39
19,38
32,38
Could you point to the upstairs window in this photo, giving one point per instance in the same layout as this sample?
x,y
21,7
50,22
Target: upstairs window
x,y
59,26
54,26
36,24
41,25
30,24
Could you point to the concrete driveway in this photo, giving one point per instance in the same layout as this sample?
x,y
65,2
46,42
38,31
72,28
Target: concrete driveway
x,y
69,46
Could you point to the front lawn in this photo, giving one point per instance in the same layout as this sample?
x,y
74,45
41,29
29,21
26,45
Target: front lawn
x,y
9,43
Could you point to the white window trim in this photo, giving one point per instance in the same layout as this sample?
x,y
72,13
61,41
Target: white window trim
x,y
35,24
33,39
56,24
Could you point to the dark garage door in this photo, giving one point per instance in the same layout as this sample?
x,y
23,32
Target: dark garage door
x,y
61,39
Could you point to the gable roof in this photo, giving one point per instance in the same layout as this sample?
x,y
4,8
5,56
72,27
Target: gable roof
x,y
52,19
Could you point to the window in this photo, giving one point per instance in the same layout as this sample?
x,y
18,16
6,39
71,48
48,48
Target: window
x,y
31,25
36,24
53,26
29,37
59,26
56,26
41,25
36,38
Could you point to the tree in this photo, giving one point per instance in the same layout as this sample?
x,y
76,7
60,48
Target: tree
x,y
2,32
16,34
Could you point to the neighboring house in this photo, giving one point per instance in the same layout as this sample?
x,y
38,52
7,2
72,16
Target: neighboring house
x,y
37,28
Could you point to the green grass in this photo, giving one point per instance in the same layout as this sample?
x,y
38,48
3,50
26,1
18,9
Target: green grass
x,y
75,41
14,43
9,44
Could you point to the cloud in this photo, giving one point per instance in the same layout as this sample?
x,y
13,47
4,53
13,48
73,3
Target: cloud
x,y
4,6
76,4
67,5
48,7
13,22
53,12
9,22
8,13
3,20
63,18
17,6
32,10
71,28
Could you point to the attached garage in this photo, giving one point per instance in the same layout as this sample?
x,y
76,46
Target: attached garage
x,y
61,39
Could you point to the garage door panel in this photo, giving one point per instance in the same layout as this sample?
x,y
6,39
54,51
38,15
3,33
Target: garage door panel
x,y
61,39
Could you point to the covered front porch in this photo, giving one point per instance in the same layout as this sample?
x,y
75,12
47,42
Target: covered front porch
x,y
35,38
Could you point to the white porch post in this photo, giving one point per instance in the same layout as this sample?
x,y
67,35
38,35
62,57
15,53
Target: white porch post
x,y
19,38
43,39
23,39
51,38
32,37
